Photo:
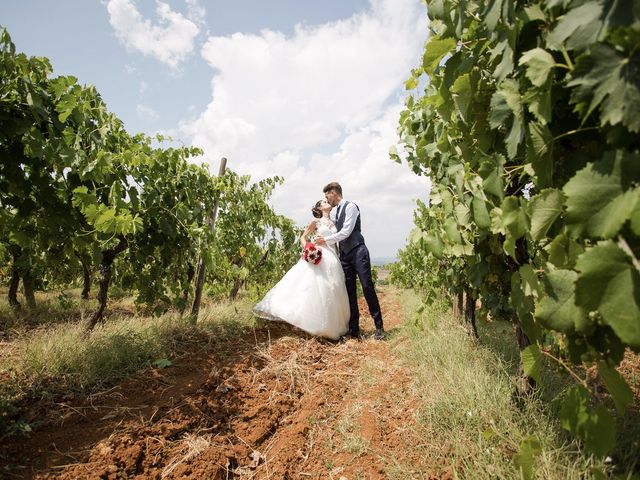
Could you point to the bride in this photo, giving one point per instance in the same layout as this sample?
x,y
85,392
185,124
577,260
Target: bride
x,y
311,297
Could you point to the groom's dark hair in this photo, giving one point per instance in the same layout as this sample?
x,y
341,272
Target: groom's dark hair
x,y
335,186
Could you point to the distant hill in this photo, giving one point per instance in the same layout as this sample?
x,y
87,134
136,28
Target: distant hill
x,y
379,261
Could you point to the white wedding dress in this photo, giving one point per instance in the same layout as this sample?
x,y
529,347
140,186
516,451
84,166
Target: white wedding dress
x,y
311,297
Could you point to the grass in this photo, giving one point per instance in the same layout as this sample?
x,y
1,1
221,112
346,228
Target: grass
x,y
348,429
51,307
117,347
467,413
371,372
60,358
465,421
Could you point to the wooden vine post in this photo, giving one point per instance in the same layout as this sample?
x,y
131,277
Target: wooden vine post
x,y
201,268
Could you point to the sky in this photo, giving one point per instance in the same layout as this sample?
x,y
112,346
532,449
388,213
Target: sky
x,y
307,90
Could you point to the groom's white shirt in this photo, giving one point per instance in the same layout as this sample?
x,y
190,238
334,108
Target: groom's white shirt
x,y
350,217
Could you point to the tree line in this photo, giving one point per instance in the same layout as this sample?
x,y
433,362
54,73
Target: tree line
x,y
81,198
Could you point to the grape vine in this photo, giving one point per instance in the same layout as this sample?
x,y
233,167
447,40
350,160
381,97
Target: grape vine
x,y
528,127
79,194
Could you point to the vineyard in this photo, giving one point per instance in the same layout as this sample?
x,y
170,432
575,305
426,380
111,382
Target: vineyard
x,y
128,271
528,128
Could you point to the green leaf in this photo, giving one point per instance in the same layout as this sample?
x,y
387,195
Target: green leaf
x,y
539,63
564,251
416,235
480,213
435,51
460,250
106,221
538,101
578,27
618,388
606,78
539,153
496,221
506,104
534,13
594,427
20,238
514,221
601,196
530,284
544,209
635,217
451,227
64,115
514,217
489,433
531,361
436,9
492,14
411,83
609,283
505,67
524,306
91,213
463,215
558,311
530,448
491,180
162,363
462,94
500,109
434,245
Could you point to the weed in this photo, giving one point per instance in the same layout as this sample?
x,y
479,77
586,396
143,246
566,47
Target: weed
x,y
465,391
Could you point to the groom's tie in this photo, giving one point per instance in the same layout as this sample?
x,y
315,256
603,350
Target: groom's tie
x,y
337,214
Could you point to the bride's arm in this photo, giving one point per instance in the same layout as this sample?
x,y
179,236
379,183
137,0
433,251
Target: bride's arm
x,y
311,228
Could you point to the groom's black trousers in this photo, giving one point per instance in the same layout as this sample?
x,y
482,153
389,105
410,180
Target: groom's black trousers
x,y
357,264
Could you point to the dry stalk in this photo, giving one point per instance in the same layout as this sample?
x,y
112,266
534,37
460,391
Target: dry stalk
x,y
192,446
291,369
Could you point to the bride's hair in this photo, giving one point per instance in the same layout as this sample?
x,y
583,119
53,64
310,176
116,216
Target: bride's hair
x,y
315,210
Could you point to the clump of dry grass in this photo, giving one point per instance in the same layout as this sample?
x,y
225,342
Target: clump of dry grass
x,y
189,447
292,367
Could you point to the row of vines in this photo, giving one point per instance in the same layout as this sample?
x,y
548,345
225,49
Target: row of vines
x,y
80,198
528,126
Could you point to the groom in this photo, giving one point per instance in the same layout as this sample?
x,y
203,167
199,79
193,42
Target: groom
x,y
354,256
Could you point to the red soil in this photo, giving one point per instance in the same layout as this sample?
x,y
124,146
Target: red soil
x,y
273,403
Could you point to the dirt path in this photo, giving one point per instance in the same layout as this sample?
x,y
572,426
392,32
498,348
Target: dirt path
x,y
272,403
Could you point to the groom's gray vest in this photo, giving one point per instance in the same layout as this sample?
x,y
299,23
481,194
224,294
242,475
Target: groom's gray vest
x,y
355,238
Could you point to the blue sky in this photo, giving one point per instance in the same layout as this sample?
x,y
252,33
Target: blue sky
x,y
303,89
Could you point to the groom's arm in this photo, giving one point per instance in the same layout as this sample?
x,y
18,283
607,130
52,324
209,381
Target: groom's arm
x,y
350,216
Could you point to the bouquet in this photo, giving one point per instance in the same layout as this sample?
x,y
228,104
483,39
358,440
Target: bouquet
x,y
312,254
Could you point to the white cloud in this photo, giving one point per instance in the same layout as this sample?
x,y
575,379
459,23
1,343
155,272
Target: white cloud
x,y
146,112
318,106
195,11
170,41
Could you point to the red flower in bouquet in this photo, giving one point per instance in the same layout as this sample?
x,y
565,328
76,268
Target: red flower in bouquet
x,y
312,254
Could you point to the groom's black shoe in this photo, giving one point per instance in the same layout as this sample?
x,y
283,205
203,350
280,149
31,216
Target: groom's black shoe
x,y
379,335
355,334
